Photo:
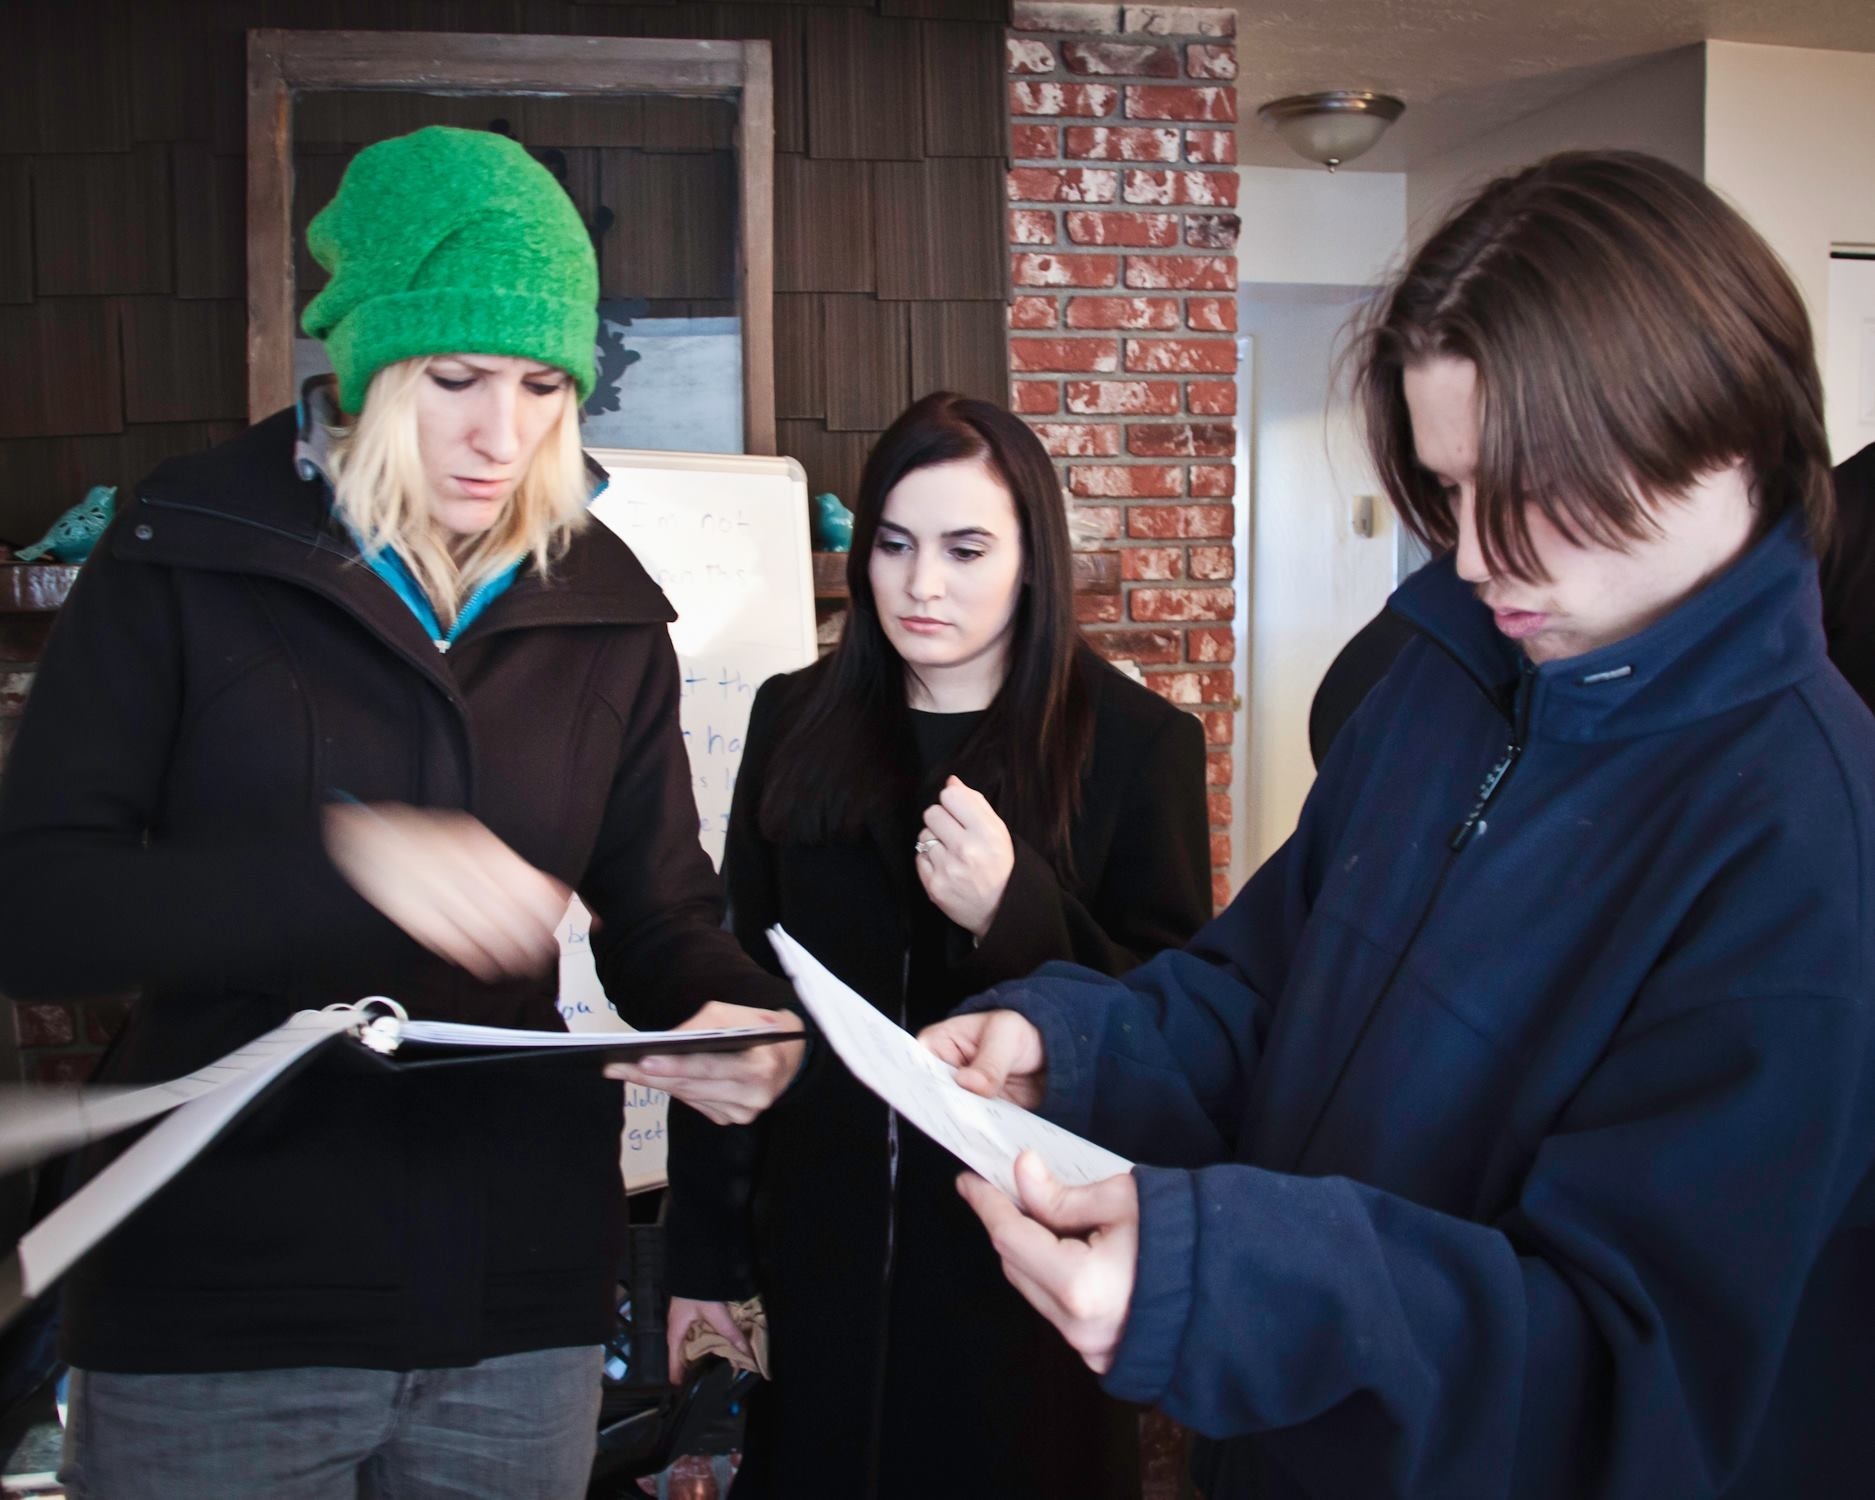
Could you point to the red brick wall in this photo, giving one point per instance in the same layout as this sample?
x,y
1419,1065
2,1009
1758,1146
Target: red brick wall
x,y
1123,315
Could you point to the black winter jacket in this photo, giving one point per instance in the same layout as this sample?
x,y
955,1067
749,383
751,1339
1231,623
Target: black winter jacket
x,y
904,1364
224,667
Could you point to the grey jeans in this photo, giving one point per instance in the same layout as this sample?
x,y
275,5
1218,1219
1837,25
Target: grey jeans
x,y
520,1427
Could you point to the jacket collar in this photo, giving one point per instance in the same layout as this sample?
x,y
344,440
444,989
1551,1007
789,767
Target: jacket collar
x,y
250,506
1754,630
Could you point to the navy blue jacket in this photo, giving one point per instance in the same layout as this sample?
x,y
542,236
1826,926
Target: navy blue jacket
x,y
1511,1131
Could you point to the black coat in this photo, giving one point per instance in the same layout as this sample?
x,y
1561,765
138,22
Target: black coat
x,y
904,1364
224,667
1849,575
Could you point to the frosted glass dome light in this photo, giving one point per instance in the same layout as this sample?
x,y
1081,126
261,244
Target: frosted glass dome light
x,y
1332,127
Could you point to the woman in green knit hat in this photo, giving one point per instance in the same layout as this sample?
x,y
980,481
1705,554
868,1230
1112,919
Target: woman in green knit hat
x,y
350,706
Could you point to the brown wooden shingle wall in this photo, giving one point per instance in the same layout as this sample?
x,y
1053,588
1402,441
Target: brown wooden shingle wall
x,y
122,242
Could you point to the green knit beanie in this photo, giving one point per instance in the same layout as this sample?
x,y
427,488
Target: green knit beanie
x,y
450,241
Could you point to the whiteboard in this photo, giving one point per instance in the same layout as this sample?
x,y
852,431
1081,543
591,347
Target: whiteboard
x,y
725,537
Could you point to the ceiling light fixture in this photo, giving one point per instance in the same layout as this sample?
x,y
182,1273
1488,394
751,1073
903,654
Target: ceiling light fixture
x,y
1332,127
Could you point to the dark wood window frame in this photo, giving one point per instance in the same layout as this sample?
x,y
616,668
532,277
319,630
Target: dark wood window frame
x,y
280,63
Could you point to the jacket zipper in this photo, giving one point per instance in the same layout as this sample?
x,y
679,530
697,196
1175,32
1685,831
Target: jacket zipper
x,y
466,612
1495,778
1468,828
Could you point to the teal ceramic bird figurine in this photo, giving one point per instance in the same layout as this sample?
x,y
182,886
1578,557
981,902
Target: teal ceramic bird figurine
x,y
833,525
76,532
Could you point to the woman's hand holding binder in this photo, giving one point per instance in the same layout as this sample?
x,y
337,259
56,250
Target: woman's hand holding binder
x,y
726,1088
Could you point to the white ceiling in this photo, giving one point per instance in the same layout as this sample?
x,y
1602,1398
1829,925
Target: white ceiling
x,y
1465,67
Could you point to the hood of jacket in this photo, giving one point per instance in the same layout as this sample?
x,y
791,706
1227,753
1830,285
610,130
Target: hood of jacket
x,y
247,507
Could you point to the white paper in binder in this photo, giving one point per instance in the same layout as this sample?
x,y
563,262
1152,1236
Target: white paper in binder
x,y
202,1105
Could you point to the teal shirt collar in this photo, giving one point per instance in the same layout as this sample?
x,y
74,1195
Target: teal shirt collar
x,y
394,571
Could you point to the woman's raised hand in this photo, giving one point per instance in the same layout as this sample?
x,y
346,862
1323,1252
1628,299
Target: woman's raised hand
x,y
726,1088
450,884
965,856
997,1053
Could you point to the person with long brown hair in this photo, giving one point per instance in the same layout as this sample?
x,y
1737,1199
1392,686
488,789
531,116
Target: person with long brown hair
x,y
961,792
1512,1133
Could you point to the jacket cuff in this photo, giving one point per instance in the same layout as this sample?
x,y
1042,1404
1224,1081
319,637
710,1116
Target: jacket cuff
x,y
1160,1308
1067,1092
1027,930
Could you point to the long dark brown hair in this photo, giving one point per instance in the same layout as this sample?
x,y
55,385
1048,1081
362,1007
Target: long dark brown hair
x,y
1631,333
848,751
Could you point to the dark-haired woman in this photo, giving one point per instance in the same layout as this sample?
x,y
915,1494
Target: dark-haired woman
x,y
960,793
1512,1133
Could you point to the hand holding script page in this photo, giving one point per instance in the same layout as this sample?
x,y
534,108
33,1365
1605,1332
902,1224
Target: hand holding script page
x,y
985,1134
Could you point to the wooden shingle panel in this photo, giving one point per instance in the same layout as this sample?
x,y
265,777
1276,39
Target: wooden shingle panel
x,y
101,223
784,28
16,231
142,448
990,12
574,120
340,121
939,229
211,222
675,229
42,477
966,102
675,124
865,86
833,460
656,18
315,181
822,213
32,488
184,361
800,355
64,76
226,47
68,349
408,15
171,88
962,347
580,165
868,363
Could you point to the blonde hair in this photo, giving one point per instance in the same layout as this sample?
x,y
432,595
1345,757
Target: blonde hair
x,y
381,492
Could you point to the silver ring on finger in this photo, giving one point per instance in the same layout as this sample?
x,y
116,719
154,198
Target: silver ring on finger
x,y
925,845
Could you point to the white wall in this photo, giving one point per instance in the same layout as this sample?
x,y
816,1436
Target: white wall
x,y
1310,225
1658,105
1314,582
1790,139
1316,243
